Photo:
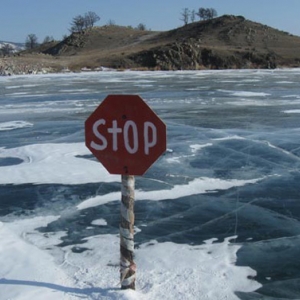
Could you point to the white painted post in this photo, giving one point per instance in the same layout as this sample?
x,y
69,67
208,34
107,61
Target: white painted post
x,y
127,265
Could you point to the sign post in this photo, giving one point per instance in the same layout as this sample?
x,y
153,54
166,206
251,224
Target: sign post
x,y
127,137
127,265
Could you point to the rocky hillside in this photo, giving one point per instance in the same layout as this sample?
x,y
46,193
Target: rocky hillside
x,y
220,43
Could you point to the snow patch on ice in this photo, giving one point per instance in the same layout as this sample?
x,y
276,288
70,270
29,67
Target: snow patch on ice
x,y
250,94
292,111
194,187
28,270
5,126
231,137
53,163
99,222
196,148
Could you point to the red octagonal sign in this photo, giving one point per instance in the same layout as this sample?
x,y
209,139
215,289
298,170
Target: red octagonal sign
x,y
125,135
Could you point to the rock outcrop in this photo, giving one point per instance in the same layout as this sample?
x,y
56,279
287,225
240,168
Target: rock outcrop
x,y
190,55
15,66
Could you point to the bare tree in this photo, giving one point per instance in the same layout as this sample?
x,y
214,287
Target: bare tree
x,y
111,22
202,13
193,16
211,13
141,26
48,39
185,15
90,19
31,41
77,24
80,23
6,49
206,13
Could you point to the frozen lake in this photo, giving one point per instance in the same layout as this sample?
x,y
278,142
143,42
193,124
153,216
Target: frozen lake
x,y
217,216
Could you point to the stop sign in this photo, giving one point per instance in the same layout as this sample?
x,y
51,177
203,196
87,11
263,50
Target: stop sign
x,y
125,135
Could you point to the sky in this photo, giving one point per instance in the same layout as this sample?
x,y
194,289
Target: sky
x,y
18,18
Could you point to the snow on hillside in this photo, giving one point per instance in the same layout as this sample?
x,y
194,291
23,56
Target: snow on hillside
x,y
16,46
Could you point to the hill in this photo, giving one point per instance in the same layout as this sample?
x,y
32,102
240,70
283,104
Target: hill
x,y
14,46
221,43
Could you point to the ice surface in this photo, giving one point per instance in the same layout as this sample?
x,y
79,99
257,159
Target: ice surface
x,y
230,177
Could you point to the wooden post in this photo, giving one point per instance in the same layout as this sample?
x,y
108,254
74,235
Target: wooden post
x,y
127,265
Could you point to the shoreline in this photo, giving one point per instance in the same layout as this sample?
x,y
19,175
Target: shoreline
x,y
11,66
